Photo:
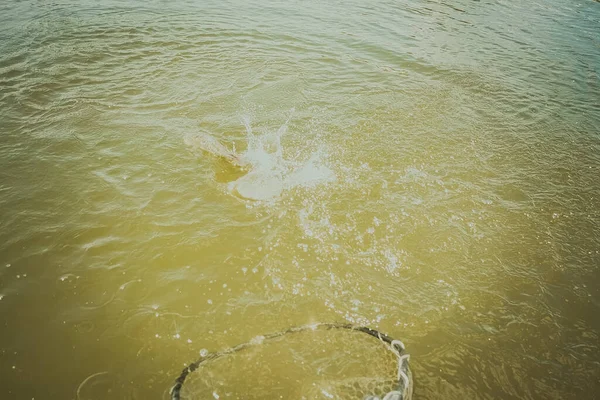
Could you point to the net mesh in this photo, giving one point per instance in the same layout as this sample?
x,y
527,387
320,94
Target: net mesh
x,y
325,361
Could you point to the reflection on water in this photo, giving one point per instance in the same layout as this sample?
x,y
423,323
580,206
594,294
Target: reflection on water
x,y
177,177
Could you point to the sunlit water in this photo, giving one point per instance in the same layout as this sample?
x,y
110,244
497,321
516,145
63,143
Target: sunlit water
x,y
427,168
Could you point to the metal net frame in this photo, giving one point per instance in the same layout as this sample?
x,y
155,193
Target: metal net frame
x,y
404,386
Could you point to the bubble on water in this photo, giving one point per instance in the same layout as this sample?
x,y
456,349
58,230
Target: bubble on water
x,y
303,246
393,262
203,353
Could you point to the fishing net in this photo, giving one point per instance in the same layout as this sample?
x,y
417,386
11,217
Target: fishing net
x,y
321,361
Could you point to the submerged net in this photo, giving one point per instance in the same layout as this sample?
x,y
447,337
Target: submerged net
x,y
320,361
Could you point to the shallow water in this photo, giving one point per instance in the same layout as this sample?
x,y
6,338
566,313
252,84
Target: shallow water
x,y
437,178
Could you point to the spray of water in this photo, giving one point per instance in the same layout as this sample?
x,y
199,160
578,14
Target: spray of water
x,y
269,171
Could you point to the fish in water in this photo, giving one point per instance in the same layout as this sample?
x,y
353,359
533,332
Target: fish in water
x,y
211,145
266,173
264,179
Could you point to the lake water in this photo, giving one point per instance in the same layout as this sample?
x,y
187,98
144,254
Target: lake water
x,y
430,169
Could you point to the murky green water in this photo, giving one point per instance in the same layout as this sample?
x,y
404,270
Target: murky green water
x,y
427,168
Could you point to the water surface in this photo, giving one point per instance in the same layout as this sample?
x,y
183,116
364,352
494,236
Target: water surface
x,y
427,168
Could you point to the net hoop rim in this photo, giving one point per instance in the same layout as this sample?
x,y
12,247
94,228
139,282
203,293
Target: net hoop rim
x,y
404,377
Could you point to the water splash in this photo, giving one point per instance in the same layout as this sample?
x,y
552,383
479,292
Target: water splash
x,y
270,172
206,142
